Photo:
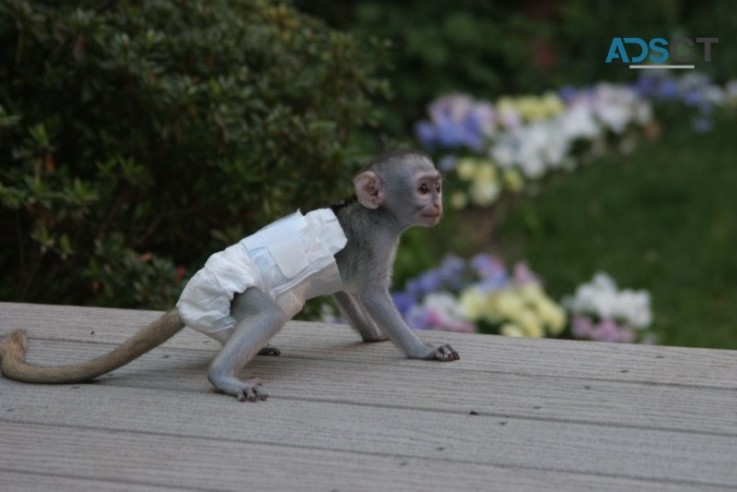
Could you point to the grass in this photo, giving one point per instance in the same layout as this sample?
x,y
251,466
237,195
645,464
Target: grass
x,y
663,219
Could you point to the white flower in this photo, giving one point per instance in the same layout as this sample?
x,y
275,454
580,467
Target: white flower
x,y
503,152
601,297
618,106
449,312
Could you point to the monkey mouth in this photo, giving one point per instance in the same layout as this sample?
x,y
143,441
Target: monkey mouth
x,y
430,219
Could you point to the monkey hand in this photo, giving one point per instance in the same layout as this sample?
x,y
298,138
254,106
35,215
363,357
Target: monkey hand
x,y
444,353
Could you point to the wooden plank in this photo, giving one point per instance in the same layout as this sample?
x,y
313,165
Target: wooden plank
x,y
494,355
651,455
39,481
430,386
226,464
375,420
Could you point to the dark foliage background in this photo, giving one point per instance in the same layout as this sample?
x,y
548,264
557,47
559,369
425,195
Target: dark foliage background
x,y
138,137
490,48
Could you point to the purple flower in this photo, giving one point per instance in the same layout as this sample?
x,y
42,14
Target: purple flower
x,y
425,133
421,319
430,281
568,93
692,97
646,85
609,331
404,302
490,267
667,90
456,121
450,133
582,327
523,275
451,272
447,163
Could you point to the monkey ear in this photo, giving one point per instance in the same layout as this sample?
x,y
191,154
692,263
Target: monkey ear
x,y
369,190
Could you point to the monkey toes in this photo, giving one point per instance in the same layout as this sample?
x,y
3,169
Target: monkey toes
x,y
270,350
444,353
252,393
247,389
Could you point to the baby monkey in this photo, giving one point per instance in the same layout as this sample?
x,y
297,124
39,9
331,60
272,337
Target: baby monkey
x,y
243,295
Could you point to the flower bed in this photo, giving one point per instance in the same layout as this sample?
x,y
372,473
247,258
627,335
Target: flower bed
x,y
491,151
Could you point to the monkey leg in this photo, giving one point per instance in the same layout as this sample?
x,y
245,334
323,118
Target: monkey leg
x,y
358,318
258,319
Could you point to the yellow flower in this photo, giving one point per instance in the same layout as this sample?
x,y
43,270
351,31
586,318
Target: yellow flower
x,y
529,107
531,293
506,104
511,330
507,304
513,180
552,315
485,172
458,200
484,194
552,103
530,323
473,303
466,168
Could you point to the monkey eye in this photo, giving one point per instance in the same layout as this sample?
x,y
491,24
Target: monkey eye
x,y
424,189
437,188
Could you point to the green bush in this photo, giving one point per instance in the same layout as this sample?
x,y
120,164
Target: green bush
x,y
136,138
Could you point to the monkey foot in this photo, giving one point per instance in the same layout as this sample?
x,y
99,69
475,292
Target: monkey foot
x,y
269,350
444,353
246,389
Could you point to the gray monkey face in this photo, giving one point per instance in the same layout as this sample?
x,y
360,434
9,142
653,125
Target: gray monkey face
x,y
418,194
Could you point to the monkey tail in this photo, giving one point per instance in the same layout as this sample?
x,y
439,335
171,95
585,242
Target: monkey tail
x,y
13,354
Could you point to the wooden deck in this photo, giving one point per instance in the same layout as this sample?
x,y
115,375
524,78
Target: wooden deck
x,y
511,415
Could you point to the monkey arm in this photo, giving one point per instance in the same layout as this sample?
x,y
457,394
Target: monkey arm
x,y
13,352
380,307
358,317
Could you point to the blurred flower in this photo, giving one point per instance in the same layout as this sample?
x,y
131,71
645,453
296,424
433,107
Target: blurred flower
x,y
452,271
511,330
619,312
458,200
439,311
486,295
472,302
484,193
730,92
447,163
456,121
523,275
404,302
466,168
513,180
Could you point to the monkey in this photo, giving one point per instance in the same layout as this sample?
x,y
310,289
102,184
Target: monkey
x,y
245,294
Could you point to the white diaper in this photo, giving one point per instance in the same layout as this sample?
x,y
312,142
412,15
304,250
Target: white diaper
x,y
291,259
